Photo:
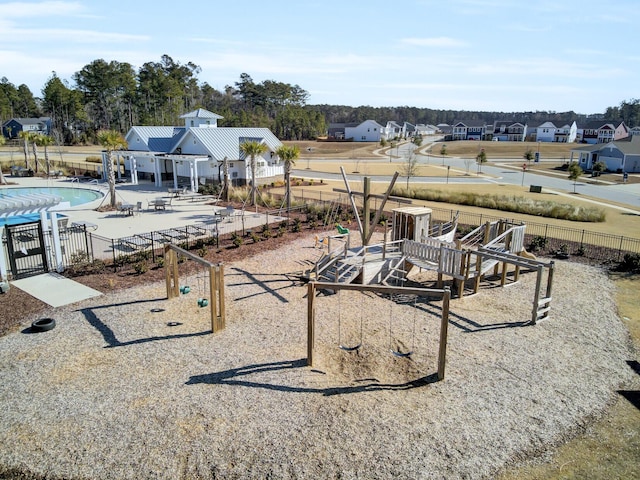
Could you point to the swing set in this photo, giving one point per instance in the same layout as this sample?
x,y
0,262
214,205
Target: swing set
x,y
215,274
399,295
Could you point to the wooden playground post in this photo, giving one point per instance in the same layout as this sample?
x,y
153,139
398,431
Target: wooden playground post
x,y
311,295
444,326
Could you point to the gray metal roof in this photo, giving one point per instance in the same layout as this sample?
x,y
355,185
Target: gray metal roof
x,y
152,138
225,141
201,113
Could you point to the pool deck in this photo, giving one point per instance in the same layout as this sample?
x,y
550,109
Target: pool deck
x,y
183,210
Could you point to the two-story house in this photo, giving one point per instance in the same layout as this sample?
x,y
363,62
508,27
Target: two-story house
x,y
602,131
12,128
469,130
549,132
508,131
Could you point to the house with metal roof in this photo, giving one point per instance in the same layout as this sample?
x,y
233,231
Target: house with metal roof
x,y
193,154
618,156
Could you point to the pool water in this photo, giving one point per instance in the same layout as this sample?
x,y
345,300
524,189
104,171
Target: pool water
x,y
75,196
24,218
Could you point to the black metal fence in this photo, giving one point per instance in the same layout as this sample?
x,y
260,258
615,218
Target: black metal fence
x,y
595,247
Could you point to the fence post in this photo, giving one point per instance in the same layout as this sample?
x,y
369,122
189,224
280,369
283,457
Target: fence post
x,y
113,249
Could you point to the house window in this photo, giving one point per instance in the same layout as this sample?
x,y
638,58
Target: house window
x,y
192,123
234,174
363,138
231,165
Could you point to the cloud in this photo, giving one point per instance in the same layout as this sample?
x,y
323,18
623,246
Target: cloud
x,y
44,35
41,9
440,42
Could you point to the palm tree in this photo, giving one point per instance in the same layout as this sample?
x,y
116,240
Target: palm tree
x,y
111,140
45,141
3,181
253,149
25,136
33,138
289,154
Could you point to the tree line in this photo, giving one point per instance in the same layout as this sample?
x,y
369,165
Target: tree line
x,y
114,96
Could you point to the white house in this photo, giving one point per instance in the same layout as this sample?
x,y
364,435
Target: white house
x,y
546,132
549,132
367,131
194,154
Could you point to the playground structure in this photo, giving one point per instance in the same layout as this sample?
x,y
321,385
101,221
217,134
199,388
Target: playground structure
x,y
414,242
215,274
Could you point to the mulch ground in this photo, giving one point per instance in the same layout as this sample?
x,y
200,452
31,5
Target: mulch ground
x,y
17,304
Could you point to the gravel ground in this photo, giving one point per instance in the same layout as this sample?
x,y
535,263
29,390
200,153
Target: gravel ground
x,y
118,391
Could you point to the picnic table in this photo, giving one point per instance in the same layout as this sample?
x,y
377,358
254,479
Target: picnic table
x,y
126,208
176,192
159,203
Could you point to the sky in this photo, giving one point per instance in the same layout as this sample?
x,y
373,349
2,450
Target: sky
x,y
487,55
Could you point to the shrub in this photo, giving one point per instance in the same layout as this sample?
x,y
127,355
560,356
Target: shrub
x,y
254,236
297,225
630,263
538,243
140,267
236,239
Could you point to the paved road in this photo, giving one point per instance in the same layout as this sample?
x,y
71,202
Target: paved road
x,y
628,194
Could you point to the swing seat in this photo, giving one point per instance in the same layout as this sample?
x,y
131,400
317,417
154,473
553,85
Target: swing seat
x,y
185,289
342,230
398,353
203,302
350,349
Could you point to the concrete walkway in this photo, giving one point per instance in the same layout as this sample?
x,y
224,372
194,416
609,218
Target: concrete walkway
x,y
54,289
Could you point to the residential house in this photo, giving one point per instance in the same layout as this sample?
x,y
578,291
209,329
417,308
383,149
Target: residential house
x,y
422,129
408,130
392,131
549,132
508,131
367,131
469,130
12,128
602,131
194,154
618,156
634,131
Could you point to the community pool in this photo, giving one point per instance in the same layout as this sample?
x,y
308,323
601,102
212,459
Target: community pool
x,y
75,196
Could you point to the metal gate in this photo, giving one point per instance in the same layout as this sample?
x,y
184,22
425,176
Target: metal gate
x,y
26,250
